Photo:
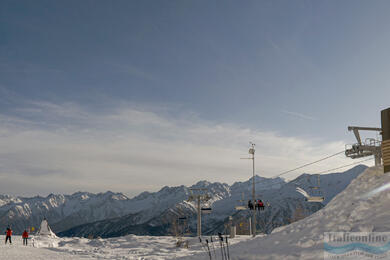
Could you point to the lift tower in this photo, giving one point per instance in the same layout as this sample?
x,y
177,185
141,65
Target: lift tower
x,y
199,195
370,146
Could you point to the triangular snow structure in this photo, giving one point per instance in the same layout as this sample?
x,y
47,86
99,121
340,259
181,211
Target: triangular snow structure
x,y
45,229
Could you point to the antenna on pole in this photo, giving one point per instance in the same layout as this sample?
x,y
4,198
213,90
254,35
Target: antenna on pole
x,y
252,152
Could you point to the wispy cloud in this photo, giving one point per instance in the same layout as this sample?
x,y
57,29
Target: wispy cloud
x,y
65,148
299,115
134,71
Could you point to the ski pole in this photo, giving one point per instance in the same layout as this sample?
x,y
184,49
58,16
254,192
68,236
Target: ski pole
x,y
227,247
203,246
212,243
220,244
222,247
208,248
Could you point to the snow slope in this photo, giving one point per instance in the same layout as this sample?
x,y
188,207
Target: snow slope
x,y
347,211
127,247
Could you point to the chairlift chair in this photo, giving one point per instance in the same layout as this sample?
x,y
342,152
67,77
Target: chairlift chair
x,y
245,207
206,210
308,197
316,194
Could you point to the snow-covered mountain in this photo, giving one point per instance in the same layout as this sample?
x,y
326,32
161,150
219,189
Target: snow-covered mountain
x,y
63,211
362,207
157,211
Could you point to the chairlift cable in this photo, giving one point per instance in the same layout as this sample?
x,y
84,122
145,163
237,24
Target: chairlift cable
x,y
322,159
340,167
308,164
305,165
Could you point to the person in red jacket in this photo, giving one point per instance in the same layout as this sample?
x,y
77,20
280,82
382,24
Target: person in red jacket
x,y
25,237
8,235
261,205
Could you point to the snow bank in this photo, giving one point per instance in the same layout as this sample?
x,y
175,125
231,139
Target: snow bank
x,y
45,241
17,251
351,210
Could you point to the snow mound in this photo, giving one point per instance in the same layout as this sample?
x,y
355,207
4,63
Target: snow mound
x,y
351,210
39,241
45,230
45,237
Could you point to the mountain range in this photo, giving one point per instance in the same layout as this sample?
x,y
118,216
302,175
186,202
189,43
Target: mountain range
x,y
157,213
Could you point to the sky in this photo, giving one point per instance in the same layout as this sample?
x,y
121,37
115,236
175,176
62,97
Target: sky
x,y
134,95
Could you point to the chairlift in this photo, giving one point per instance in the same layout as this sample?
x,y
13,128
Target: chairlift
x,y
308,197
314,197
245,207
206,210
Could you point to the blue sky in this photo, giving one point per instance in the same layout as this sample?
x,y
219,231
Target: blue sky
x,y
195,76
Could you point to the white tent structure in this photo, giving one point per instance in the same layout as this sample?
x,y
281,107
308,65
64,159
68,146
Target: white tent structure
x,y
45,229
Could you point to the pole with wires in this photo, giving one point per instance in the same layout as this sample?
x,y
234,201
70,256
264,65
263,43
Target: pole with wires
x,y
252,152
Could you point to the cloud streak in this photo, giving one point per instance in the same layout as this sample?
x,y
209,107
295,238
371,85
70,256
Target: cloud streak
x,y
65,148
299,115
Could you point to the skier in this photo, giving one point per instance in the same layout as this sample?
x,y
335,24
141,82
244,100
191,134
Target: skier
x,y
25,237
261,205
256,205
8,235
250,205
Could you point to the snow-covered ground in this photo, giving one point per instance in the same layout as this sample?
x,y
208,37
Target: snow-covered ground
x,y
356,209
127,247
17,251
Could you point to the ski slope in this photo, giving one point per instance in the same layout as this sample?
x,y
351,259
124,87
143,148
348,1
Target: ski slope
x,y
356,209
127,247
17,251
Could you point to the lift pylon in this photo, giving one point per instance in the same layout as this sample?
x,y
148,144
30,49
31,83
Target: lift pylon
x,y
371,146
199,197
